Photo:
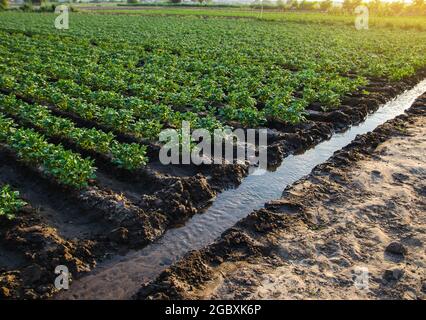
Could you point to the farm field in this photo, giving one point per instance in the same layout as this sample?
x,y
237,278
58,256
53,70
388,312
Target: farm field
x,y
81,111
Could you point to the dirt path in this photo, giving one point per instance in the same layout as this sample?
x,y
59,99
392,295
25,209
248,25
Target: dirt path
x,y
353,229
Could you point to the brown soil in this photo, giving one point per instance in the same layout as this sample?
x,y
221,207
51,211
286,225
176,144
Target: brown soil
x,y
363,208
34,249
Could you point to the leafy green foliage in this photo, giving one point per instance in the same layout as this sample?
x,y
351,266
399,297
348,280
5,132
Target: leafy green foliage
x,y
52,126
128,156
65,166
10,202
4,4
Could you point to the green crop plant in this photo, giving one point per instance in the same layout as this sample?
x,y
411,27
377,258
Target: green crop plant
x,y
10,202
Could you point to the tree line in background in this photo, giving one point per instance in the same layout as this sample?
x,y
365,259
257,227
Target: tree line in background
x,y
34,5
376,7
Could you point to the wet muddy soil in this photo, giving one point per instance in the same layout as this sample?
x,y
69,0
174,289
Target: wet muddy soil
x,y
352,229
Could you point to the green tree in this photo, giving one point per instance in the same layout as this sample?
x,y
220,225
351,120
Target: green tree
x,y
326,5
375,6
292,4
27,6
280,4
396,7
4,4
306,5
132,1
419,5
350,5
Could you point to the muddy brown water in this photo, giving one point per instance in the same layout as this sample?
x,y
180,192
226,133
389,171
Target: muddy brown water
x,y
121,277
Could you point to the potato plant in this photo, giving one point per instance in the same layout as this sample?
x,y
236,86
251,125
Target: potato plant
x,y
10,202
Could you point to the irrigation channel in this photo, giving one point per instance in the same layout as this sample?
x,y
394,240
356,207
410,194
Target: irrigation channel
x,y
121,277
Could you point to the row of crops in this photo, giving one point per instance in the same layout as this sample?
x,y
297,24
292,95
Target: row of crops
x,y
136,76
32,148
127,156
